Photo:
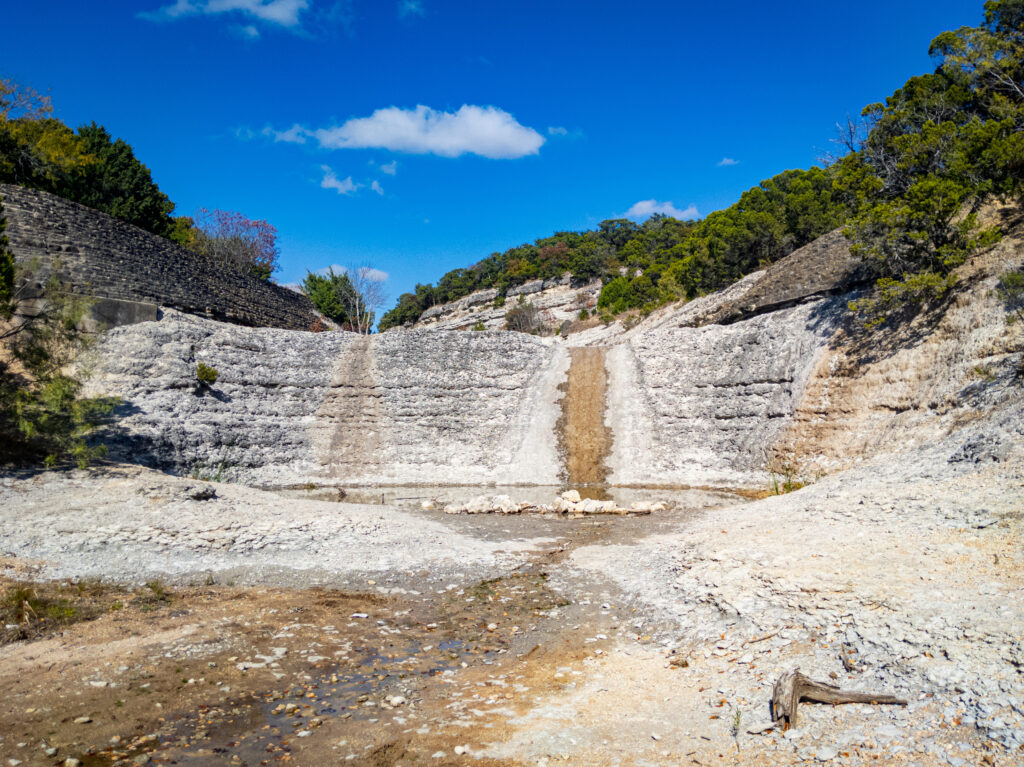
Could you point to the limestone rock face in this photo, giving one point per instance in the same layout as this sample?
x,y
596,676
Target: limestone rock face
x,y
688,401
699,405
820,268
292,407
557,300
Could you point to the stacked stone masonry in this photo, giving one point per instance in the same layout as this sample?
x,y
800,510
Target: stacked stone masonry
x,y
105,258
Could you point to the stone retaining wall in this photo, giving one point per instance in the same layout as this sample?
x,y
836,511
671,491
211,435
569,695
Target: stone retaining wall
x,y
102,257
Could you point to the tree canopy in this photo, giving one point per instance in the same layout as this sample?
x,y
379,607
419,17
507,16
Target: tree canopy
x,y
88,166
662,259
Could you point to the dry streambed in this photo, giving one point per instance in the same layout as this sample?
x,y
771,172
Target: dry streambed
x,y
257,676
529,639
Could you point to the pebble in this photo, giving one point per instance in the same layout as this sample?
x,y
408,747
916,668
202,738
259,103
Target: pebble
x,y
825,754
83,719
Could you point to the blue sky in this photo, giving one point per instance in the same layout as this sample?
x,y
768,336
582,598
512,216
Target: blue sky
x,y
416,136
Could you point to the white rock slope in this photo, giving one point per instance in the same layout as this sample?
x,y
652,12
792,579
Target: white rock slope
x,y
293,407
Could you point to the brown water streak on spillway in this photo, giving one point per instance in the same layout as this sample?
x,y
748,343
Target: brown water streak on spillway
x,y
352,407
586,441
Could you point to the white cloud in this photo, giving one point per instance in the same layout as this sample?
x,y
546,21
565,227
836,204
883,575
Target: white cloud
x,y
557,130
407,8
373,275
331,181
180,8
485,131
647,208
391,168
375,186
294,135
336,268
285,13
249,32
726,161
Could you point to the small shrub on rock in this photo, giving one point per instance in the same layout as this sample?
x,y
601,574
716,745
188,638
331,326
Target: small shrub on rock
x,y
206,375
523,318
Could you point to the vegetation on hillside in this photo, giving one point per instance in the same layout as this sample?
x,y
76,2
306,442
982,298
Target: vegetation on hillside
x,y
42,413
90,167
917,170
662,259
935,152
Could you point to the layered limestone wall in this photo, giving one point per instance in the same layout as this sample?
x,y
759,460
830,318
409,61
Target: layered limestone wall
x,y
705,405
333,408
958,367
688,400
133,271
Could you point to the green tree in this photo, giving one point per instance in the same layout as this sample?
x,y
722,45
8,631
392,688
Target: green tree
x,y
90,167
938,149
350,298
118,184
328,293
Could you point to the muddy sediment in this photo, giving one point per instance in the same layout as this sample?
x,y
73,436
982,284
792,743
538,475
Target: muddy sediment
x,y
585,440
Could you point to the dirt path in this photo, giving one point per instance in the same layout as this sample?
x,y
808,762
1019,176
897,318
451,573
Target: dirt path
x,y
586,441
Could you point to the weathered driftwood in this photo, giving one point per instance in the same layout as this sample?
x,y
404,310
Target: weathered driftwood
x,y
792,687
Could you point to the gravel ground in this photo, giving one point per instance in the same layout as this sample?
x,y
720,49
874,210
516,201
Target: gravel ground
x,y
902,576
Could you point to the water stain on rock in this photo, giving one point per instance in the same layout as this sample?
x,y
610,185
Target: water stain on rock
x,y
584,439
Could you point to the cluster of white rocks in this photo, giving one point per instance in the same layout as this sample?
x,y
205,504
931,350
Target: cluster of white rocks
x,y
569,503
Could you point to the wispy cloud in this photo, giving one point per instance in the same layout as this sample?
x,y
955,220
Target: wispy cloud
x,y
376,187
727,161
647,208
407,8
294,135
365,272
284,13
485,131
562,133
249,32
340,185
391,168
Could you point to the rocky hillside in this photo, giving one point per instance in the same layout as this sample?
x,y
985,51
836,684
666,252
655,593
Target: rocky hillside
x,y
558,301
